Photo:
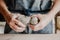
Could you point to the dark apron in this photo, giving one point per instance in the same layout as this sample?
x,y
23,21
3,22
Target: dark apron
x,y
20,7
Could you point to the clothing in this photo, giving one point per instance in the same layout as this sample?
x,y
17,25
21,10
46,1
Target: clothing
x,y
31,7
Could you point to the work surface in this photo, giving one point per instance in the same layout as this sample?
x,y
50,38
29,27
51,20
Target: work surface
x,y
30,36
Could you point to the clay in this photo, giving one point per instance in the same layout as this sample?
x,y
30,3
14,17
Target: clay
x,y
24,19
27,20
34,20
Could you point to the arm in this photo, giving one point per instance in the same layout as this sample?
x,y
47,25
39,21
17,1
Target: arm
x,y
11,20
46,18
55,9
4,11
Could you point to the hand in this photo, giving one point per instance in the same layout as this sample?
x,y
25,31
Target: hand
x,y
44,21
15,24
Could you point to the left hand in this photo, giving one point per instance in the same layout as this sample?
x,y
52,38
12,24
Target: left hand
x,y
44,21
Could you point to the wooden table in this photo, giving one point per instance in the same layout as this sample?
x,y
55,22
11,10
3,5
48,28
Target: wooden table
x,y
30,36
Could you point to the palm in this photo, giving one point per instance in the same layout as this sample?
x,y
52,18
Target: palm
x,y
44,20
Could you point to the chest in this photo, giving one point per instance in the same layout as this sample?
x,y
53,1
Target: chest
x,y
29,4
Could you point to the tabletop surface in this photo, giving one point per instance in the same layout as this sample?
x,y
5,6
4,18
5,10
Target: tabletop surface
x,y
30,36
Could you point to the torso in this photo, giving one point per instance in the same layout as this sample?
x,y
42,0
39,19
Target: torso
x,y
34,5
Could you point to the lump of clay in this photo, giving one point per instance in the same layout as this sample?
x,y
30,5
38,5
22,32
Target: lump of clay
x,y
34,20
24,19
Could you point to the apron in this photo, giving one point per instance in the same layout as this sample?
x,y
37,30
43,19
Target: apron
x,y
28,7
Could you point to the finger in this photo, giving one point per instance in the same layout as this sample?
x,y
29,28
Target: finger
x,y
20,23
32,27
15,26
39,26
18,30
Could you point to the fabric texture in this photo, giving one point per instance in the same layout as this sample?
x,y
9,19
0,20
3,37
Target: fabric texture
x,y
31,7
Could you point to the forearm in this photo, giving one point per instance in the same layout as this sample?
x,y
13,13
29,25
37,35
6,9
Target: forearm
x,y
3,9
55,9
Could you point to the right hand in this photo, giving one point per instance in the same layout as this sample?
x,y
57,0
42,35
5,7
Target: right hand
x,y
14,23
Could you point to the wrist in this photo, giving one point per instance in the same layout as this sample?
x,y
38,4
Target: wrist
x,y
7,16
